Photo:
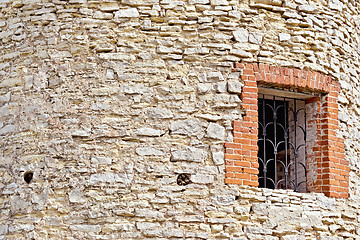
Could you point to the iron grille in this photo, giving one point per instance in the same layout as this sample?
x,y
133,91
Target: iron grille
x,y
282,143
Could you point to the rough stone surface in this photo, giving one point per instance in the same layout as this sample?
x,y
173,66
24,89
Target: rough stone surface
x,y
107,102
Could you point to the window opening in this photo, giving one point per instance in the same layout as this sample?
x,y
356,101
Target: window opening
x,y
282,143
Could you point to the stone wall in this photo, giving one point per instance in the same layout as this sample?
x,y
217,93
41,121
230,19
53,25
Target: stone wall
x,y
107,102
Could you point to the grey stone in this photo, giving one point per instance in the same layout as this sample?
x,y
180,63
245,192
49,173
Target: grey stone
x,y
76,196
146,213
190,127
127,13
146,225
215,131
257,230
149,151
256,37
117,56
241,53
101,160
191,154
7,129
86,228
189,218
284,36
204,88
202,179
161,113
218,158
235,86
149,132
220,87
209,117
215,76
241,35
4,229
102,178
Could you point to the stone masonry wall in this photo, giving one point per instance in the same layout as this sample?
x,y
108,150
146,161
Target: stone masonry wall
x,y
107,102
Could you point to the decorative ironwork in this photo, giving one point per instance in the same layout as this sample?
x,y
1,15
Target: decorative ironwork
x,y
282,143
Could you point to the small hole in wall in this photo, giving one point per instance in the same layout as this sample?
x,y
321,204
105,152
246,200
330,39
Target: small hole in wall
x,y
237,197
183,179
28,176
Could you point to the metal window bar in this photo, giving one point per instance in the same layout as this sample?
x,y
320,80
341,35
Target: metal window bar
x,y
280,143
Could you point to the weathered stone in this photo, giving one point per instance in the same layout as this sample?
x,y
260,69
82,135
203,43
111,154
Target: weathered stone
x,y
202,179
86,228
241,35
127,13
190,127
149,132
191,154
101,160
149,151
76,196
234,86
215,131
161,113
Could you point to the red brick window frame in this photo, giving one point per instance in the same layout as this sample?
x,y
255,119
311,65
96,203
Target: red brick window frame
x,y
328,171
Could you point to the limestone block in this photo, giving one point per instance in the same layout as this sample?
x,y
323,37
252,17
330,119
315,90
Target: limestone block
x,y
102,15
256,37
202,179
146,213
10,82
189,127
215,131
189,218
151,132
241,53
101,160
221,87
146,225
191,154
307,8
160,113
149,151
127,13
218,158
7,129
224,200
102,178
204,88
215,76
199,2
235,86
163,49
257,230
209,117
109,6
241,35
134,89
4,229
76,196
269,2
217,228
117,56
284,37
86,228
219,2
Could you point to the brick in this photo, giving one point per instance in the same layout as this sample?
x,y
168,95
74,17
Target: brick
x,y
233,181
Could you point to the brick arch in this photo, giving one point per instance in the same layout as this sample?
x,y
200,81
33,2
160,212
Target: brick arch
x,y
331,174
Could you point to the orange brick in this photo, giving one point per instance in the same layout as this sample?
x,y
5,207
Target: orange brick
x,y
233,181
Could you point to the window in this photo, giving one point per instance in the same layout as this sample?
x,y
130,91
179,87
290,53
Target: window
x,y
320,160
282,143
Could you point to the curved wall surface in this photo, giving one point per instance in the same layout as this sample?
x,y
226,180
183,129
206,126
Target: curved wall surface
x,y
115,106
